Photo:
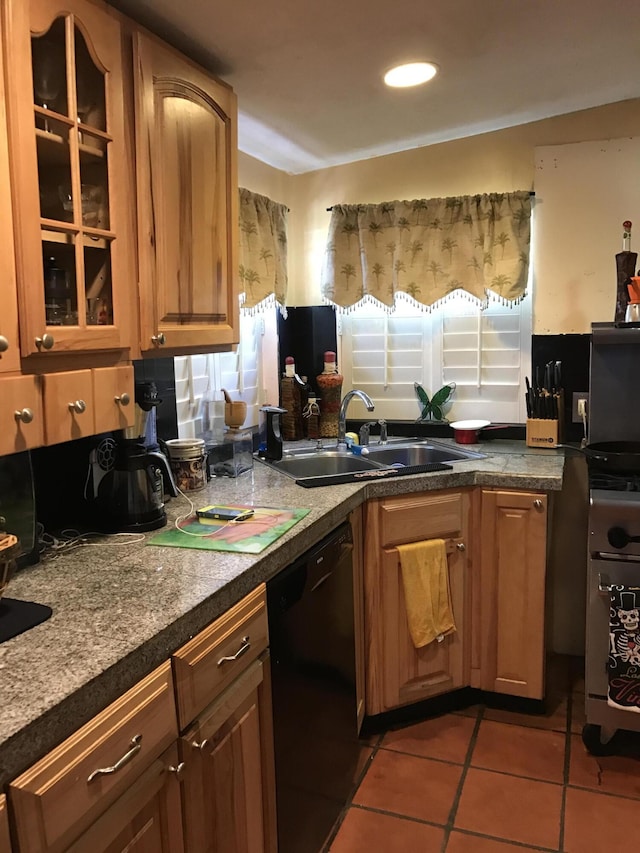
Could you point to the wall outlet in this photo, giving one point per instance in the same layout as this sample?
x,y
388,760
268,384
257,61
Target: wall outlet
x,y
576,411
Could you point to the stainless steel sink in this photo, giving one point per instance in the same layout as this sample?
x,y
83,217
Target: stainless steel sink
x,y
417,453
323,463
309,465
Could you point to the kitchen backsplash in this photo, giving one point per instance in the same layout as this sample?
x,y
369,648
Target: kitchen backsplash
x,y
574,353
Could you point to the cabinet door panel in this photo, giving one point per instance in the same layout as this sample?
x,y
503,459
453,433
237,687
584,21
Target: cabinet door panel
x,y
5,846
229,776
21,394
187,195
68,406
412,674
398,673
112,388
513,566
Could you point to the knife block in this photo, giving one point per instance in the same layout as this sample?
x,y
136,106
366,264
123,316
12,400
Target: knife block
x,y
542,433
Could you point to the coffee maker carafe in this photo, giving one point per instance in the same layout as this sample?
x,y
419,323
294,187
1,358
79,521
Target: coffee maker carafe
x,y
131,493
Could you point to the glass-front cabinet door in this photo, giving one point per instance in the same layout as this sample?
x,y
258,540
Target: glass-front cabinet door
x,y
70,182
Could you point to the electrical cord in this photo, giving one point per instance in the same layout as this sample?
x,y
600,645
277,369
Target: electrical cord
x,y
69,539
212,533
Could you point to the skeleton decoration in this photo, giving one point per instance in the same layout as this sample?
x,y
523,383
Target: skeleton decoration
x,y
624,649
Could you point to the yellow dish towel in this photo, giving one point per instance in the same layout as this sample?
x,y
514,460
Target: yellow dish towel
x,y
426,591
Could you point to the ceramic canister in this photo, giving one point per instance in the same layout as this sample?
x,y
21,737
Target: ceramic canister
x,y
187,459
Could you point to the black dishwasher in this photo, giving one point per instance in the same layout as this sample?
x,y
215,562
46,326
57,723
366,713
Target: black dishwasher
x,y
312,639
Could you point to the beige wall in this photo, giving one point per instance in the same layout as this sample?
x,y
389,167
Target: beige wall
x,y
490,162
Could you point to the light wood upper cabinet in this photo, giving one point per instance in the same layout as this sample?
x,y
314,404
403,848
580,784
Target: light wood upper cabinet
x,y
513,555
9,342
186,159
71,195
398,673
21,416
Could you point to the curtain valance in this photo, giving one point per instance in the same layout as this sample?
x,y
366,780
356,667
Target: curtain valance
x,y
428,248
263,249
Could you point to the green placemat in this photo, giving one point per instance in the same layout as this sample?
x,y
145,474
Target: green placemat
x,y
243,537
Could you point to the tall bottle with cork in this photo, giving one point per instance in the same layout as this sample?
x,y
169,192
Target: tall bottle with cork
x,y
625,269
330,386
293,399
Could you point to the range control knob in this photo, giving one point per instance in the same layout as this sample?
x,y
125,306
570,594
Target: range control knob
x,y
619,538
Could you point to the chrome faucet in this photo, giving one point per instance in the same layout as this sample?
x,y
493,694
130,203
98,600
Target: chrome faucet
x,y
365,428
342,417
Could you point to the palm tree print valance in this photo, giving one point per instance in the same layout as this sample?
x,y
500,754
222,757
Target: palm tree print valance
x,y
263,249
428,248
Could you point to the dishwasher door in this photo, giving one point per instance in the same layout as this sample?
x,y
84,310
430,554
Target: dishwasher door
x,y
317,751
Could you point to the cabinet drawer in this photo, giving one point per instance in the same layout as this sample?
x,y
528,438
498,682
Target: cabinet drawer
x,y
61,795
113,395
68,406
413,518
207,664
21,394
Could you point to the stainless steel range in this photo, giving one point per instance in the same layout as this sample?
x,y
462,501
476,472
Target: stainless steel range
x,y
614,561
613,605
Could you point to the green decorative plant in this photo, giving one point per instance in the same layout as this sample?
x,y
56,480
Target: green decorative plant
x,y
432,408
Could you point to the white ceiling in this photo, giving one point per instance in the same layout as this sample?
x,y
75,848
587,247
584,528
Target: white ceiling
x,y
308,74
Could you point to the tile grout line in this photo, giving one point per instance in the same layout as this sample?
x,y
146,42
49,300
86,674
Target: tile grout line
x,y
354,790
465,768
567,760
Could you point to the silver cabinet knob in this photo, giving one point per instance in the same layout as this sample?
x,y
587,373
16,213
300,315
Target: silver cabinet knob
x,y
177,770
538,503
123,399
201,745
78,406
25,416
45,342
158,339
4,344
461,546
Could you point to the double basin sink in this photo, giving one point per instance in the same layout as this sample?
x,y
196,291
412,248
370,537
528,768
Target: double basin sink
x,y
311,467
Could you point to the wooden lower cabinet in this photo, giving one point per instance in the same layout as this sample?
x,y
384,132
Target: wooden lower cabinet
x,y
146,819
511,602
398,673
5,843
228,801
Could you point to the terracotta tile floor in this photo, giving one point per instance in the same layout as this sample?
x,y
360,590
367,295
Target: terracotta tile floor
x,y
483,780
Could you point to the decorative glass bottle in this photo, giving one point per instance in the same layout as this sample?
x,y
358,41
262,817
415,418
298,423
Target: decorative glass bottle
x,y
330,384
291,388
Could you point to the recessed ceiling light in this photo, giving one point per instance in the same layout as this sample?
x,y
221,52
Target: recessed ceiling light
x,y
410,74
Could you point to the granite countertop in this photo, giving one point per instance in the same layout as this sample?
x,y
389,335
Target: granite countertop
x,y
120,609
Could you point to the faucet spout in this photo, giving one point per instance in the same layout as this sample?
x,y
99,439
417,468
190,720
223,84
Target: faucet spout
x,y
342,416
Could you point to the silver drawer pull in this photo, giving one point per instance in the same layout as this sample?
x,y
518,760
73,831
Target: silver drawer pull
x,y
177,770
136,746
45,342
4,344
78,406
461,546
201,746
25,416
246,645
123,399
158,340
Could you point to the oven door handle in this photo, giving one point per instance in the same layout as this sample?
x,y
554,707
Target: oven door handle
x,y
604,586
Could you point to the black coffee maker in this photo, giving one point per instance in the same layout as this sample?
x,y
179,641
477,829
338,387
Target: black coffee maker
x,y
130,494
